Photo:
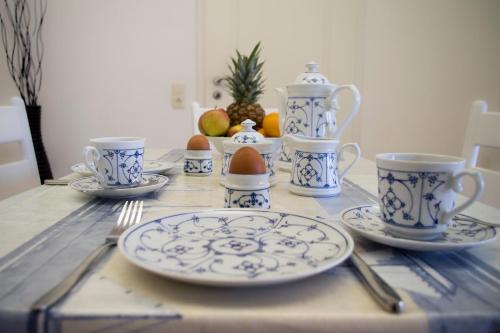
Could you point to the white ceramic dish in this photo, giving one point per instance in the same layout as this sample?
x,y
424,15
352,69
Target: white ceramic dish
x,y
216,142
236,247
148,167
155,167
365,221
284,166
91,186
81,169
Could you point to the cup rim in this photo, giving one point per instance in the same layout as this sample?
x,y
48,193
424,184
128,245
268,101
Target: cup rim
x,y
247,182
430,159
198,154
117,139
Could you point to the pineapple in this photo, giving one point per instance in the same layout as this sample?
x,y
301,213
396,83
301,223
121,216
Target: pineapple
x,y
245,85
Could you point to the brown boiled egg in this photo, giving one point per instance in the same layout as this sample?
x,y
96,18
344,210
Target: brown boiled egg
x,y
198,142
247,161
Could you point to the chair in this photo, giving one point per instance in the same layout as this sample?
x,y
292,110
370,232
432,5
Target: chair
x,y
483,129
197,111
22,173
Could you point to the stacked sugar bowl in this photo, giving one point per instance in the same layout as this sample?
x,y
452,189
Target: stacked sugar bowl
x,y
249,137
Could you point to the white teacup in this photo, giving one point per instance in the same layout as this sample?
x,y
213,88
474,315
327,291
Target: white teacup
x,y
417,192
115,161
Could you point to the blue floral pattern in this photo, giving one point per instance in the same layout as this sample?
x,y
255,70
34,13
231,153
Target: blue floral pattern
x,y
305,117
121,167
247,198
246,138
315,170
91,186
197,166
413,197
244,246
370,219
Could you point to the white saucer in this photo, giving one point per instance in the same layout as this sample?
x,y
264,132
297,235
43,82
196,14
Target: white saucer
x,y
151,166
91,186
148,167
81,169
236,247
365,221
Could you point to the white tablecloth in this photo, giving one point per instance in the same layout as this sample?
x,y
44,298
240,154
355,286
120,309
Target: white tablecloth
x,y
119,297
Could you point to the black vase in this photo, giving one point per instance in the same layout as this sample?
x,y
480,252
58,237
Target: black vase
x,y
34,118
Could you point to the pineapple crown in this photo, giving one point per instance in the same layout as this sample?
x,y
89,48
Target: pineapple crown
x,y
245,83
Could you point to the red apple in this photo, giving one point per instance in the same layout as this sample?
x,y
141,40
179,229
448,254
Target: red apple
x,y
214,122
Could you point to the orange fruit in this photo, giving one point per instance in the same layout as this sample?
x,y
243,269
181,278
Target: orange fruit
x,y
262,131
271,124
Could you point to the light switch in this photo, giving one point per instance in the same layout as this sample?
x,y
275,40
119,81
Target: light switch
x,y
178,95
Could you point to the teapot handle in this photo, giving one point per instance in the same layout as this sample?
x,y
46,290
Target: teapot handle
x,y
332,101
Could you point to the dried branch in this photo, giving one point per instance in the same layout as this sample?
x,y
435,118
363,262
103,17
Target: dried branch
x,y
21,23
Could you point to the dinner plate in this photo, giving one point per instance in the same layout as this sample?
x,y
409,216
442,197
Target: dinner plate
x,y
236,247
148,167
365,221
91,186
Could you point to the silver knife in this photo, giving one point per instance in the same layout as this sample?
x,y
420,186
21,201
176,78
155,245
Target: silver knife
x,y
56,182
382,292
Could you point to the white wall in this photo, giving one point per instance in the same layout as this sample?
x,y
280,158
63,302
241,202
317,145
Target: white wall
x,y
424,62
108,69
419,65
7,87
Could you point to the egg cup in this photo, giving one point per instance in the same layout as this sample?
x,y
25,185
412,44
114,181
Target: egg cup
x,y
247,191
264,148
198,163
249,137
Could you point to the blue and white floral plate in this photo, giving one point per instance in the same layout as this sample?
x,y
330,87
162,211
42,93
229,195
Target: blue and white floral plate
x,y
236,247
91,186
148,167
366,221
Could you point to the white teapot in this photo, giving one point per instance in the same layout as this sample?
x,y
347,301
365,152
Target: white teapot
x,y
309,106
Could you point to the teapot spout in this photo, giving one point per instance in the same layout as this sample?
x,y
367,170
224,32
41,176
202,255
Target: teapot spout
x,y
283,107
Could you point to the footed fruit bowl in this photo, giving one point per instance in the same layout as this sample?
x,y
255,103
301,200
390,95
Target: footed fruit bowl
x,y
216,142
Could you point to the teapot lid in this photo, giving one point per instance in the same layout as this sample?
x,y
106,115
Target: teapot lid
x,y
247,134
311,75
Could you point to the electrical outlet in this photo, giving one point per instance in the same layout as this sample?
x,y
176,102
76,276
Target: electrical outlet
x,y
178,95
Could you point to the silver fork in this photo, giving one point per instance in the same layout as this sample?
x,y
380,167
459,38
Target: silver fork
x,y
131,214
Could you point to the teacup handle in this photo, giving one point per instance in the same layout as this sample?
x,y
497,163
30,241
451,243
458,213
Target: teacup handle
x,y
332,102
357,153
90,157
456,186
